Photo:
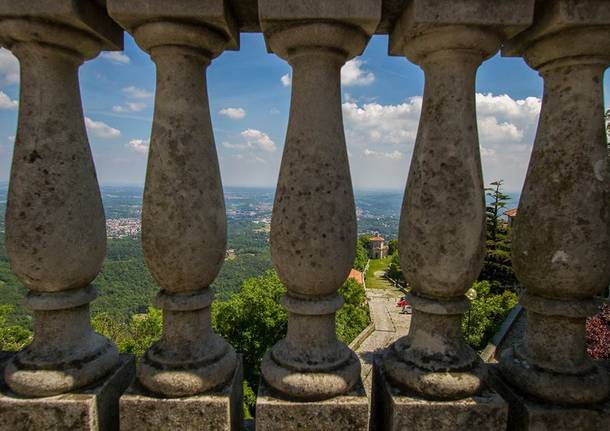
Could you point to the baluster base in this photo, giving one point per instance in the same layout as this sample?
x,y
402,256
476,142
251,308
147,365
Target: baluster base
x,y
394,409
171,378
580,388
311,385
435,384
527,414
30,376
347,412
219,409
91,408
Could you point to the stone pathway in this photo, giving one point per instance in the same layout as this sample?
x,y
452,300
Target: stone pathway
x,y
389,323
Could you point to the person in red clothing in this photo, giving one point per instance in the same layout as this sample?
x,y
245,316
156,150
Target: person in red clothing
x,y
406,307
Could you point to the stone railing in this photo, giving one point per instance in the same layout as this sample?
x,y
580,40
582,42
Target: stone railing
x,y
69,377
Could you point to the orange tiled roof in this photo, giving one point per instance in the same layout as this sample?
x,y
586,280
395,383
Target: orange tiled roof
x,y
511,212
356,275
376,238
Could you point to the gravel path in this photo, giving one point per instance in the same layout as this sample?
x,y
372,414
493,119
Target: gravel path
x,y
389,323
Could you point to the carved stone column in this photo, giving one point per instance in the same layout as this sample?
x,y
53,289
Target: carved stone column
x,y
442,227
183,214
55,224
313,229
561,238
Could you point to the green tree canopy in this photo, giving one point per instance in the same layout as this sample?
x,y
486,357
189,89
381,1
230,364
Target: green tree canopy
x,y
497,269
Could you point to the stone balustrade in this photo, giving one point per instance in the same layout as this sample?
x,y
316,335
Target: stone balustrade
x,y
69,377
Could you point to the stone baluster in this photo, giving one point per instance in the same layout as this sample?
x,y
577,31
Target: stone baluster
x,y
313,228
442,225
561,237
55,225
183,213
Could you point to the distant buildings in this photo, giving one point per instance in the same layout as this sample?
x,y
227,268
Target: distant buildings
x,y
377,247
510,216
123,227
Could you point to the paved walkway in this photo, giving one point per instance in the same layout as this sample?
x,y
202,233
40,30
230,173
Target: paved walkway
x,y
389,323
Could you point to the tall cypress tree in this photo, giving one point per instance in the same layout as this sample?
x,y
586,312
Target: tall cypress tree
x,y
498,261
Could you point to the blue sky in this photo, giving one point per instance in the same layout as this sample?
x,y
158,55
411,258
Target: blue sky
x,y
249,99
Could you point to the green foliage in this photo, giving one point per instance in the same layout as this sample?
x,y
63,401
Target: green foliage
x,y
486,314
12,337
394,272
393,247
362,255
353,317
498,269
252,320
249,400
134,336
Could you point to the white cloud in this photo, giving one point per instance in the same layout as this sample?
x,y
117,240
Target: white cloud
x,y
394,155
137,93
257,139
373,123
116,57
129,107
11,139
353,73
233,113
9,67
377,133
252,139
6,102
286,80
139,145
99,129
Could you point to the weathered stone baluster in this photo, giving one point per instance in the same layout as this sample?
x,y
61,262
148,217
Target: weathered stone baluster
x,y
183,214
442,227
55,225
561,238
313,230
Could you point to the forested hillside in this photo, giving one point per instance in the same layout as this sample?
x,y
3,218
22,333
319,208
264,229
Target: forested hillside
x,y
125,286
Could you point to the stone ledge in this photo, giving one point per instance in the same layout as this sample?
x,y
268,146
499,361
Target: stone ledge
x,y
344,413
526,414
396,411
93,408
219,410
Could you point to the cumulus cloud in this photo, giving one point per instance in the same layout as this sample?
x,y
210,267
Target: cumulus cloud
x,y
9,67
136,104
394,155
129,107
507,128
6,102
354,74
139,145
374,123
252,139
116,57
257,139
233,113
379,135
101,130
286,80
137,93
